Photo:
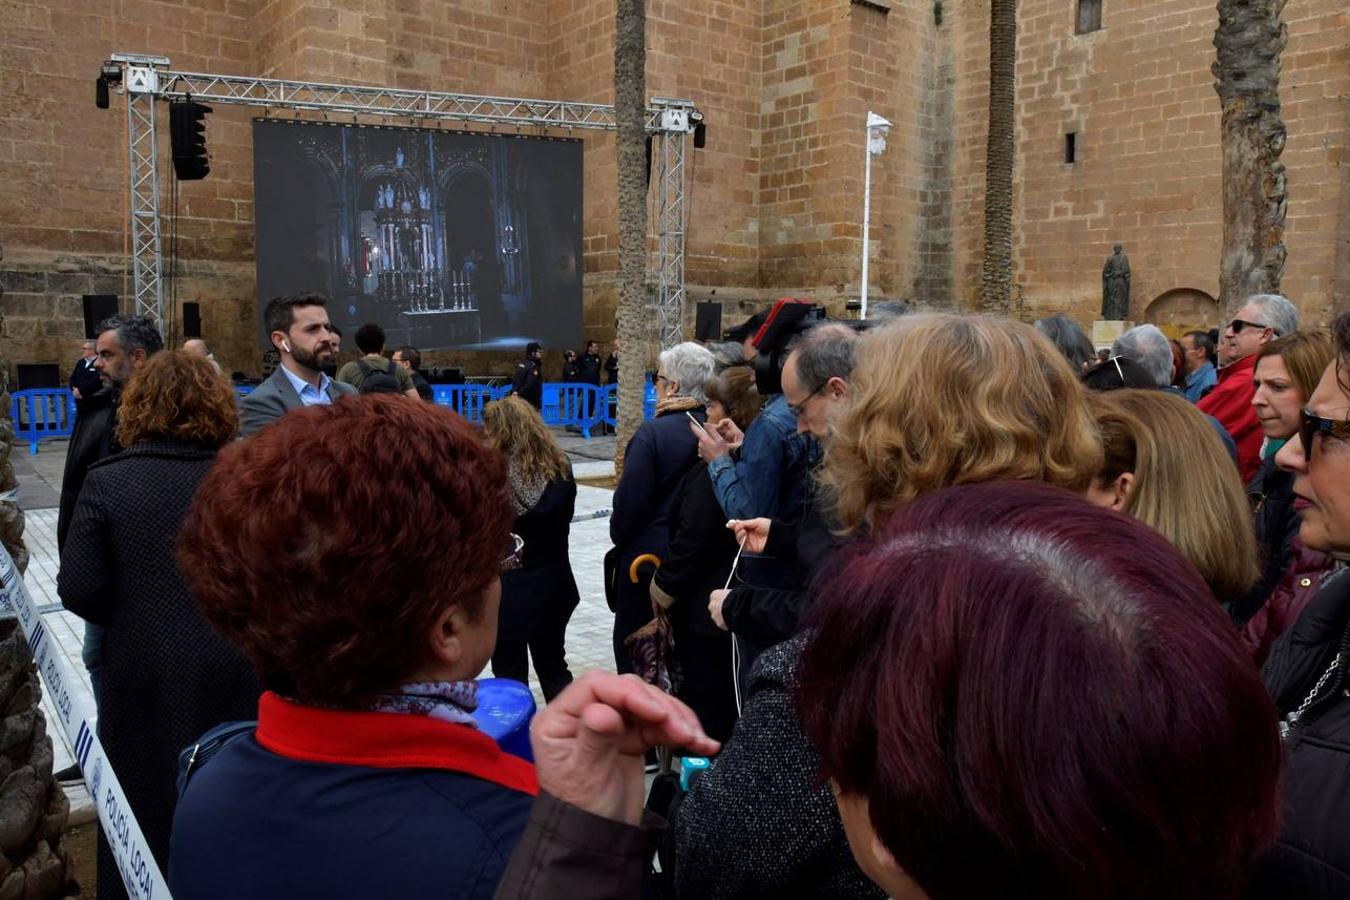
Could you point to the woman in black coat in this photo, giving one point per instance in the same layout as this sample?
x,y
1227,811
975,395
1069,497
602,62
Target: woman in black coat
x,y
698,561
539,597
166,676
656,461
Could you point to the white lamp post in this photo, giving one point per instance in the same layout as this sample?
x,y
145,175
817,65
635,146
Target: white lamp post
x,y
877,129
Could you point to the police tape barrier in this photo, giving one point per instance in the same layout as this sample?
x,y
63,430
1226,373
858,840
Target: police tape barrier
x,y
140,874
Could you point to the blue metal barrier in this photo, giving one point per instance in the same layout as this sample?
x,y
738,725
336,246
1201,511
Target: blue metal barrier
x,y
582,406
41,414
467,399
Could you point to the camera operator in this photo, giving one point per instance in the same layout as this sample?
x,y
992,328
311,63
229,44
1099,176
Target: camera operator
x,y
815,389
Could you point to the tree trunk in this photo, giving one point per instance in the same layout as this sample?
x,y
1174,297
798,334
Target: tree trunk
x,y
33,808
996,281
630,107
1250,36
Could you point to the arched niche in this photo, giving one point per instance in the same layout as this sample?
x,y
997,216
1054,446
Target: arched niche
x,y
1180,310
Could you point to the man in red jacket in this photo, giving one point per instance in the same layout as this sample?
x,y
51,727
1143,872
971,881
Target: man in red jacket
x,y
1263,318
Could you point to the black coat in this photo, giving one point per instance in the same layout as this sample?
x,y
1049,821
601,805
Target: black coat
x,y
697,562
543,590
166,677
588,368
1277,525
764,616
92,439
1311,859
760,822
85,379
528,383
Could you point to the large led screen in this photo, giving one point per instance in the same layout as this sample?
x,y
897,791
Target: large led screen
x,y
446,239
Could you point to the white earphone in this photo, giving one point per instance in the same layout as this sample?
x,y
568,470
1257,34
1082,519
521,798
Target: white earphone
x,y
285,345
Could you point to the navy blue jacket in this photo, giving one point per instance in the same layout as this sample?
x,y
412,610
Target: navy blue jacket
x,y
325,803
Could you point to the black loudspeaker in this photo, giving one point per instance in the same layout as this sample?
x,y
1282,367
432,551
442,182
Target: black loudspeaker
x,y
97,307
700,136
708,321
187,137
38,375
192,320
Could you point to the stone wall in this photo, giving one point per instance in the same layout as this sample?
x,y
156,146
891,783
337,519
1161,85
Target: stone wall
x,y
775,197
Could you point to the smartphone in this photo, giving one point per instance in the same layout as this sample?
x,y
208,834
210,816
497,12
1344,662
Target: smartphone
x,y
698,423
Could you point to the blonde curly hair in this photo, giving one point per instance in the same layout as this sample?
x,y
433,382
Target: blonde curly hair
x,y
516,429
938,399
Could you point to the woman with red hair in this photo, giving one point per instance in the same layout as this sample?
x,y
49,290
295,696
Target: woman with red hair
x,y
1016,694
353,552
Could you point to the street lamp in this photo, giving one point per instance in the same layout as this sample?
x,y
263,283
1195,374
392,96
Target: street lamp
x,y
877,129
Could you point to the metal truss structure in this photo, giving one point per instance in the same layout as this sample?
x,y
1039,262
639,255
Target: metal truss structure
x,y
147,79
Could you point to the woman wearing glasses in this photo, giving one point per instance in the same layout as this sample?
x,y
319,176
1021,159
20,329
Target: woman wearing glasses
x,y
353,552
1309,667
539,597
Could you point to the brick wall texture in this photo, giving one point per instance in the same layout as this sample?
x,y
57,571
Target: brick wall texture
x,y
775,199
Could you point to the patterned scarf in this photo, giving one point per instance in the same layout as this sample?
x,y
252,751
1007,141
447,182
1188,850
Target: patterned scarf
x,y
677,404
525,492
449,701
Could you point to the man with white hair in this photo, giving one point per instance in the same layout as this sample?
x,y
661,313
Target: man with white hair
x,y
1262,319
1148,346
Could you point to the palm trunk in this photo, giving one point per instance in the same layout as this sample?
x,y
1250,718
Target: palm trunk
x,y
1250,36
996,281
33,808
630,84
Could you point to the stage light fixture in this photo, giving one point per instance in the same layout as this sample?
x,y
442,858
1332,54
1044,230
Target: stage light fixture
x,y
187,137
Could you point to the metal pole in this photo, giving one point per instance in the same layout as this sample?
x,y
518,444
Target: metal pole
x,y
867,212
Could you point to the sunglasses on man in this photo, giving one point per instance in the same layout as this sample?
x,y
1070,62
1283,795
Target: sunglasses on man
x,y
1238,324
1310,426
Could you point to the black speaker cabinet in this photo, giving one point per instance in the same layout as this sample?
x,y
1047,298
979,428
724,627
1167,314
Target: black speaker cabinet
x,y
192,320
97,307
708,322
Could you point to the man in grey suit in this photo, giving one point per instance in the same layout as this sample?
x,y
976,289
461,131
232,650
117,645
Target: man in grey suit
x,y
298,327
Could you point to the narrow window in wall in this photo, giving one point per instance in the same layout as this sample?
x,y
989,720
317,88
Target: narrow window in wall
x,y
1071,148
1089,16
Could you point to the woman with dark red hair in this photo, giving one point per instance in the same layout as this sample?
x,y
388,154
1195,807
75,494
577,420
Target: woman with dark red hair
x,y
1016,694
353,552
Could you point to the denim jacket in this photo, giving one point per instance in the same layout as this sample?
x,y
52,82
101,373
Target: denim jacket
x,y
769,477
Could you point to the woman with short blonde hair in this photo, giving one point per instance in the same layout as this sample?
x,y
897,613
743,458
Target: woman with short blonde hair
x,y
1167,467
942,399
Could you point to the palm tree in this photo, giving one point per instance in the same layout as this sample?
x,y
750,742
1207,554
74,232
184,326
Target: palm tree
x,y
1249,38
630,84
996,281
33,808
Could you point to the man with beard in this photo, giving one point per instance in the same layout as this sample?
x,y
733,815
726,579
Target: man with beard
x,y
124,344
299,329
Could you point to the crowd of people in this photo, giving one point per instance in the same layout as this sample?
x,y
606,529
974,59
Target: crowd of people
x,y
957,607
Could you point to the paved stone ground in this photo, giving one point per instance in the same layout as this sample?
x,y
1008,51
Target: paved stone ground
x,y
588,635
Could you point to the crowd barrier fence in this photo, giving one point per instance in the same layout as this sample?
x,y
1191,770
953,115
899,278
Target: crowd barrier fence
x,y
42,414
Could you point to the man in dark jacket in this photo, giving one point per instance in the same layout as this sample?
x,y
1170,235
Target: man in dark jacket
x,y
124,344
815,385
410,360
84,380
1308,671
528,381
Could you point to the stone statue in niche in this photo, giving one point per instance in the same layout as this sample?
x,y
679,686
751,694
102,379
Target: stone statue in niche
x,y
1116,286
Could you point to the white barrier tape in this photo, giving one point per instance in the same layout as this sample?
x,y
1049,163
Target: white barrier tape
x,y
140,874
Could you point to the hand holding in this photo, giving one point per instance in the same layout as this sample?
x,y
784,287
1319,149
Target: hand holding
x,y
728,431
589,742
715,601
710,443
754,533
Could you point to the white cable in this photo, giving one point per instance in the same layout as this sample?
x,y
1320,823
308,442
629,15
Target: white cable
x,y
735,653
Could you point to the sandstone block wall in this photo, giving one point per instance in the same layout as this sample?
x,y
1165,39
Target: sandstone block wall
x,y
775,197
